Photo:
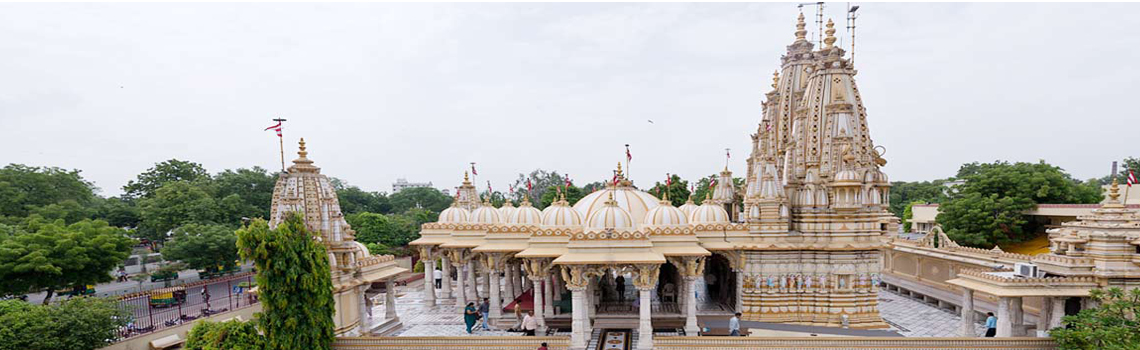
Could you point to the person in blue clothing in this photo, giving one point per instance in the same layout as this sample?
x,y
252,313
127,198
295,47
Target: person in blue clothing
x,y
991,324
734,325
484,310
470,316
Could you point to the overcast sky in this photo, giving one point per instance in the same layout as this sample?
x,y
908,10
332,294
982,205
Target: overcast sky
x,y
384,91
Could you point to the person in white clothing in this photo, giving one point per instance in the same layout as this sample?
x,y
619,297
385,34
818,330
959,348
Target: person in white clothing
x,y
438,278
529,323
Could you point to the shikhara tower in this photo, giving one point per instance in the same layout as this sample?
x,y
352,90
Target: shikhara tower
x,y
816,191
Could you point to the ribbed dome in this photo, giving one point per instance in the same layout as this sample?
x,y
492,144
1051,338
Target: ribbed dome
x,y
454,215
666,214
846,175
688,207
506,211
876,176
635,202
485,214
525,214
709,213
609,216
561,214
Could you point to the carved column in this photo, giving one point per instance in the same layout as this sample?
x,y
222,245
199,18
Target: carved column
x,y
645,281
740,291
1058,312
1043,315
1017,315
548,296
537,270
472,281
390,299
691,268
508,285
495,265
460,285
365,313
967,327
429,278
445,284
577,281
1004,320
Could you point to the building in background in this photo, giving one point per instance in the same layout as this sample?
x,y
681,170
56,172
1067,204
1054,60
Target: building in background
x,y
402,183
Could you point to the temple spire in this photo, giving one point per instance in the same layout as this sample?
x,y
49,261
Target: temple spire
x,y
830,39
801,33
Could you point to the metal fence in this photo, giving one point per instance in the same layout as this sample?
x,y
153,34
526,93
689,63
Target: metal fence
x,y
152,311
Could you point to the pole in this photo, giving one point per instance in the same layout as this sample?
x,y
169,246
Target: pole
x,y
230,291
281,142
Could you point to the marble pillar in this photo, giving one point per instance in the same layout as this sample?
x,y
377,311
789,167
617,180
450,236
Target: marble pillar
x,y
472,282
429,282
487,285
1043,316
538,303
645,319
496,311
691,328
967,327
548,297
445,286
390,299
578,334
1058,312
1017,316
1004,319
739,291
508,285
460,285
365,313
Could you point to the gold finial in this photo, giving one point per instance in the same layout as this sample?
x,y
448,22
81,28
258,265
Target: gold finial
x,y
619,170
611,200
801,33
775,78
708,195
302,152
1114,195
665,194
830,39
465,178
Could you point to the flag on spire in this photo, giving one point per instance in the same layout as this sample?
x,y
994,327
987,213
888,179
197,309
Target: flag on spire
x,y
668,179
567,180
528,187
473,172
511,188
1131,178
489,190
275,128
628,156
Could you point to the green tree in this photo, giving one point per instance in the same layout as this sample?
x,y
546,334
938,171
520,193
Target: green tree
x,y
52,255
295,283
702,189
541,181
389,230
23,188
68,210
203,247
1122,174
419,197
148,182
75,324
229,335
678,190
987,209
1115,324
593,187
252,187
175,204
117,212
354,200
908,214
903,194
573,194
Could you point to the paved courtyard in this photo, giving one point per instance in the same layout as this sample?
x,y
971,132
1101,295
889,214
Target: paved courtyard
x,y
908,317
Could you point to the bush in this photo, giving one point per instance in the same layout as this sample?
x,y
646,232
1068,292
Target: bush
x,y
1115,324
230,335
75,324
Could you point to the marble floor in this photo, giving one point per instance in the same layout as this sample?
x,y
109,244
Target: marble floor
x,y
908,317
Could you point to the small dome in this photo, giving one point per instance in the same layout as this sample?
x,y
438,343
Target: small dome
x,y
666,215
876,176
485,214
709,213
688,207
454,215
561,214
506,211
846,175
525,214
633,201
609,216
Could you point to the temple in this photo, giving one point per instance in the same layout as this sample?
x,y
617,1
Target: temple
x,y
804,248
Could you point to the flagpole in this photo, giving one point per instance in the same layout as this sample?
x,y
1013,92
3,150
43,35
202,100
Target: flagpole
x,y
281,142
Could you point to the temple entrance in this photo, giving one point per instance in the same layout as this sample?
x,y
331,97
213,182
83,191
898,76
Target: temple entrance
x,y
719,287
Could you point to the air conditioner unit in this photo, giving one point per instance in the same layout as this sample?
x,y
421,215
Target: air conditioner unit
x,y
1025,270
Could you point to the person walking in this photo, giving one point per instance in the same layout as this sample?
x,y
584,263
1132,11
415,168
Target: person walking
x,y
542,347
484,309
470,315
438,278
518,315
620,281
530,324
734,325
991,325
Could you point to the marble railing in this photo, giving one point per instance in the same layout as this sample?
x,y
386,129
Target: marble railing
x,y
444,343
736,343
1063,260
1054,281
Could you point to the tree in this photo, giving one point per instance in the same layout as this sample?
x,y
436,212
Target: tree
x,y
703,189
678,190
1129,163
908,214
594,186
354,200
148,182
117,212
295,283
541,181
573,194
252,187
78,323
203,247
903,194
419,197
23,188
389,230
229,335
1115,324
175,204
52,255
68,210
988,207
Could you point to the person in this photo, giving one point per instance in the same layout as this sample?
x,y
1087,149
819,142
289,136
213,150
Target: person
x,y
206,296
484,309
518,315
469,316
530,324
991,325
542,347
438,278
620,281
734,325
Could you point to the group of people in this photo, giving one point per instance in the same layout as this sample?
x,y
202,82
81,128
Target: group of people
x,y
472,315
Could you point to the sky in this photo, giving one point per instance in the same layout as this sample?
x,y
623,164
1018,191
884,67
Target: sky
x,y
418,91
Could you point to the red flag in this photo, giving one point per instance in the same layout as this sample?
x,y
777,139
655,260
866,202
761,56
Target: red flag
x,y
528,187
1131,178
473,172
512,189
275,128
712,183
668,180
628,156
727,154
489,191
615,179
567,181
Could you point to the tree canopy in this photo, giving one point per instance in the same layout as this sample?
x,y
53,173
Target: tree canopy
x,y
229,335
23,189
148,182
1115,324
678,190
419,197
573,194
74,324
53,255
203,247
295,283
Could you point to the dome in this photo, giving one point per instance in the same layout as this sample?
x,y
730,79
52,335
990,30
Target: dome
x,y
688,207
506,211
846,175
525,214
665,214
876,176
561,214
454,215
709,213
485,214
635,202
610,216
